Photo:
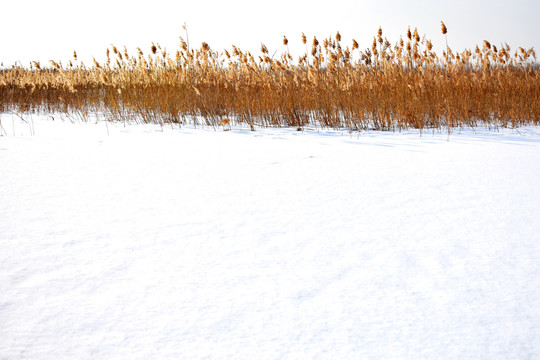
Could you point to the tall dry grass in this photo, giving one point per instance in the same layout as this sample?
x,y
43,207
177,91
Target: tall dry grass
x,y
336,85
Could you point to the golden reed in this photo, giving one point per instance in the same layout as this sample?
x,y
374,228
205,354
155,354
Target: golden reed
x,y
333,84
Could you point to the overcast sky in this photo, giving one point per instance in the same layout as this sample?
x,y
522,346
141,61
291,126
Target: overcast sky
x,y
43,30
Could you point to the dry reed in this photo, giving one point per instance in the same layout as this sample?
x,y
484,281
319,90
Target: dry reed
x,y
385,87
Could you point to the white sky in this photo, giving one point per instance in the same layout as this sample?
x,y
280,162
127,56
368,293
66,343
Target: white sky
x,y
44,30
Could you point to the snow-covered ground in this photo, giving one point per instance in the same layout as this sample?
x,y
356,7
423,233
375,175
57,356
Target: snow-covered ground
x,y
139,242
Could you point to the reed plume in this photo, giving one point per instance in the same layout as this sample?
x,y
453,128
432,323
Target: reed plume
x,y
383,87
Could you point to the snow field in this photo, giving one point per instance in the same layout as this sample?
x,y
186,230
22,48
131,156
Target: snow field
x,y
141,242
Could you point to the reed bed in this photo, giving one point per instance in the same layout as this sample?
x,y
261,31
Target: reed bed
x,y
334,85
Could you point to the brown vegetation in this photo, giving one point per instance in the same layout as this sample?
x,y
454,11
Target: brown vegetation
x,y
387,87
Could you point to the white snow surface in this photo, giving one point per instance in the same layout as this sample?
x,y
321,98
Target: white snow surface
x,y
141,242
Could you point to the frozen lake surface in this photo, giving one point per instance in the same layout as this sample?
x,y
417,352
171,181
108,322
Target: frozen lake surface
x,y
179,243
